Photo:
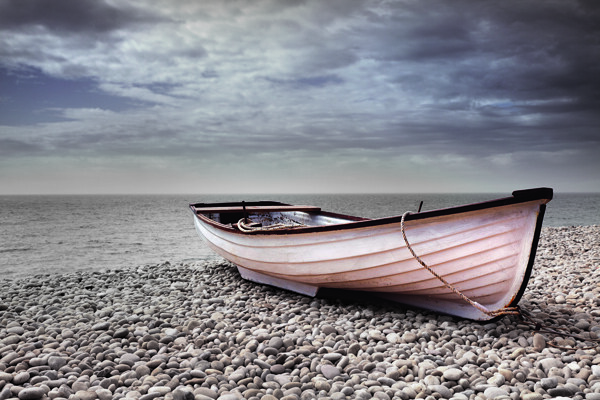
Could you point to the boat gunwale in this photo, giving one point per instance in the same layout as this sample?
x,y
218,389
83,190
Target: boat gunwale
x,y
354,222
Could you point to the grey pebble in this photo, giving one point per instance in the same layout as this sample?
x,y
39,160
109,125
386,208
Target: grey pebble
x,y
494,393
563,391
15,330
531,396
277,369
207,392
453,374
150,396
21,377
101,326
441,390
409,337
548,363
86,395
230,396
549,383
330,371
539,342
31,393
56,362
276,342
6,377
321,385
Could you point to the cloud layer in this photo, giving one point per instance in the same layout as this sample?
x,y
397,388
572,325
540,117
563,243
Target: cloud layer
x,y
298,95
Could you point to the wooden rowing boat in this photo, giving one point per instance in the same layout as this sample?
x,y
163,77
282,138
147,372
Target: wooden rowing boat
x,y
471,261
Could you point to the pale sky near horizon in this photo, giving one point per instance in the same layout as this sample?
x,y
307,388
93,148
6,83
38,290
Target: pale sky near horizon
x,y
273,96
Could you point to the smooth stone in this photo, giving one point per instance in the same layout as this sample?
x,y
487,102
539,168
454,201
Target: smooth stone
x,y
86,395
322,385
16,330
238,374
497,380
32,393
277,369
409,337
442,390
393,338
381,396
5,393
506,373
142,370
453,374
270,351
230,396
21,378
101,326
207,392
549,383
12,339
385,381
150,396
5,376
121,333
548,363
104,394
333,357
56,362
330,371
80,385
532,396
354,348
494,392
276,342
129,359
328,330
283,380
563,391
162,390
539,342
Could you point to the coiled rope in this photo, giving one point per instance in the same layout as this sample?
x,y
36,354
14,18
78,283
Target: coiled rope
x,y
247,226
483,309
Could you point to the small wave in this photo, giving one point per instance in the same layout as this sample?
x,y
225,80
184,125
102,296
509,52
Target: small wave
x,y
15,250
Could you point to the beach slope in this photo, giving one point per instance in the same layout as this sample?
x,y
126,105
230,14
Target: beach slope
x,y
198,331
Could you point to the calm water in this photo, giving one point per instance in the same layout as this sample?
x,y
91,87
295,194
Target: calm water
x,y
57,234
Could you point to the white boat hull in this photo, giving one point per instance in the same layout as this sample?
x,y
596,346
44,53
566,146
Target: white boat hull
x,y
486,254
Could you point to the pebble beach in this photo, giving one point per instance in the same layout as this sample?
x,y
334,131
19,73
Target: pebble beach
x,y
198,331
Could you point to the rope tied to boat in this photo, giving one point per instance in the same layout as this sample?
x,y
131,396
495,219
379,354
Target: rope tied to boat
x,y
480,307
248,226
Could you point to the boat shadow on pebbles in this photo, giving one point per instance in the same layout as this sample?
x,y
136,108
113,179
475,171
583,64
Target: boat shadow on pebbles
x,y
183,331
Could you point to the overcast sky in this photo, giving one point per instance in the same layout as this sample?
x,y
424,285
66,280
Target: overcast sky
x,y
185,96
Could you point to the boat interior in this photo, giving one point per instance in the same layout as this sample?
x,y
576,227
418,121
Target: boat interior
x,y
270,215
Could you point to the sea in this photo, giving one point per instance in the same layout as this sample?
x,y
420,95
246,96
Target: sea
x,y
69,233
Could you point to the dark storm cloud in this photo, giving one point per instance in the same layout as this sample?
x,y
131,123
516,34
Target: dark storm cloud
x,y
522,50
461,85
10,147
76,16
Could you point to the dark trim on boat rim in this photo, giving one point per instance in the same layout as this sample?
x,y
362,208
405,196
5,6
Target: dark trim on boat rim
x,y
518,196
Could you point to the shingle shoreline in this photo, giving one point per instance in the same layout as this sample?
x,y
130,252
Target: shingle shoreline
x,y
198,331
